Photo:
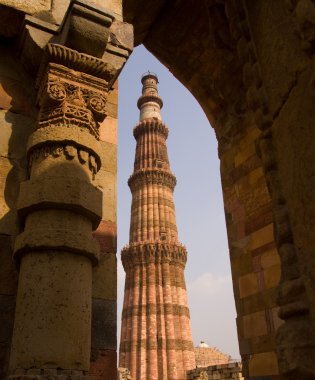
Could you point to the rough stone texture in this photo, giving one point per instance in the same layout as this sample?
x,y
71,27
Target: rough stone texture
x,y
207,356
7,307
16,123
104,328
217,372
123,374
156,340
103,364
104,287
11,21
39,319
28,6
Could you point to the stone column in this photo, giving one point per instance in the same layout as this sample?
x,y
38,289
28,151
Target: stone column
x,y
59,207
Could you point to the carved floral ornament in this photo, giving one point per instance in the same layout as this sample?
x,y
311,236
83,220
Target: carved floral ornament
x,y
72,102
59,91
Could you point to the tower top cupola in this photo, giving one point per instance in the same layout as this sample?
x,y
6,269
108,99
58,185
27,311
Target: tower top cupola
x,y
150,103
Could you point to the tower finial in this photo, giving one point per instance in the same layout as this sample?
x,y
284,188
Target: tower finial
x,y
150,103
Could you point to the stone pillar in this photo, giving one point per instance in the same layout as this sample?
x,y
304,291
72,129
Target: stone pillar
x,y
77,65
59,206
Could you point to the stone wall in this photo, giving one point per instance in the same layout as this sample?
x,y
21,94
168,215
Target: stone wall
x,y
17,116
104,290
217,372
255,262
206,356
123,374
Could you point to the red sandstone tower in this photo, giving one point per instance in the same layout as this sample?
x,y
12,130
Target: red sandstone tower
x,y
156,341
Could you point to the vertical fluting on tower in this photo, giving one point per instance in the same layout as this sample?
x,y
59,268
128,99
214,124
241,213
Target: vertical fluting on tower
x,y
156,341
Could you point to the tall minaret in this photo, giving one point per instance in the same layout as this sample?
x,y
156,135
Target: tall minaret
x,y
156,341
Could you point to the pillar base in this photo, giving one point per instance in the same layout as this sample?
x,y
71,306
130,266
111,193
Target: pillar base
x,y
48,374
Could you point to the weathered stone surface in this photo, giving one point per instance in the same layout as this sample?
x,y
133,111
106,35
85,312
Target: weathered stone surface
x,y
217,372
53,305
103,364
209,356
28,6
81,197
108,130
7,308
11,21
104,315
263,364
109,156
15,130
105,277
255,324
8,273
106,181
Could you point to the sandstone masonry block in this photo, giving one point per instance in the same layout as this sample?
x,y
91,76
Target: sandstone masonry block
x,y
105,277
248,285
28,6
106,181
8,273
104,314
263,364
272,276
255,324
261,237
109,156
108,130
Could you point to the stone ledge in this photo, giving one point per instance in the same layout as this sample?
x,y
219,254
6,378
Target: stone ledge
x,y
48,374
57,240
61,193
73,135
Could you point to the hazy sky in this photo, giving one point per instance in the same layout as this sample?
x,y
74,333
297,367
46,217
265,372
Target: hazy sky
x,y
192,150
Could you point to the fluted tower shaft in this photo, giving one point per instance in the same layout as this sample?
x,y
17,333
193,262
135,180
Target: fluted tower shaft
x,y
156,341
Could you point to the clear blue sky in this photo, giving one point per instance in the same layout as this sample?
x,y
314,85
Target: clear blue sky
x,y
192,149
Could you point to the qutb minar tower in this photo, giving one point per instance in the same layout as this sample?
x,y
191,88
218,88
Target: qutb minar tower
x,y
156,341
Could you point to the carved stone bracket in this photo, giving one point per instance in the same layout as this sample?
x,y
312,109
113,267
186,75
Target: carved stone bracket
x,y
145,253
153,176
91,34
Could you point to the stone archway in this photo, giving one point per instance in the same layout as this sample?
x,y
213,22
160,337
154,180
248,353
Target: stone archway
x,y
249,65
